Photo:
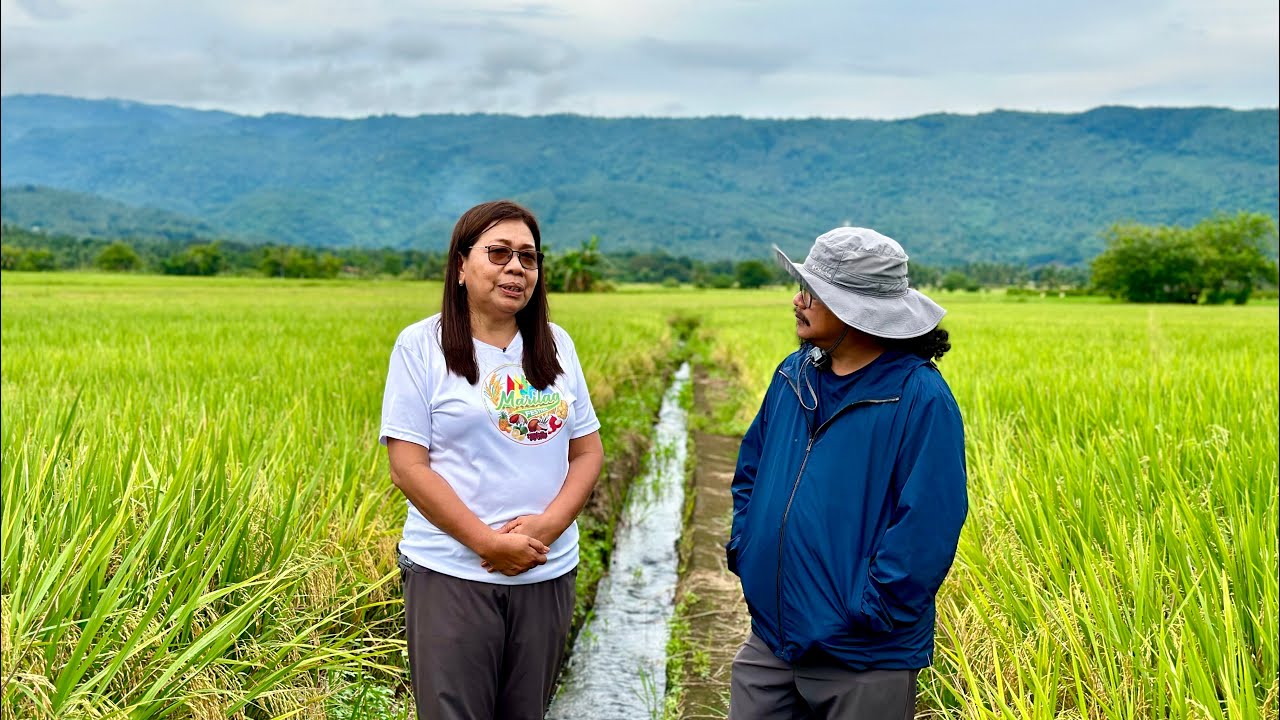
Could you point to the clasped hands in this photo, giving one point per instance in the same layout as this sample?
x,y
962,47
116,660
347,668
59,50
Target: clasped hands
x,y
520,545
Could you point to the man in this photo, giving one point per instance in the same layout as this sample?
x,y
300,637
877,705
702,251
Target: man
x,y
849,494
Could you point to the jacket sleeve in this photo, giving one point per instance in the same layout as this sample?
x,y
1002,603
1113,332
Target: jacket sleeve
x,y
919,545
744,478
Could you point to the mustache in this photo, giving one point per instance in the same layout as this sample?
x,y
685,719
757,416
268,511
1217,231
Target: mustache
x,y
801,319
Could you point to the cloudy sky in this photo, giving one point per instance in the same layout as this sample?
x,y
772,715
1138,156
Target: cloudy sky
x,y
757,58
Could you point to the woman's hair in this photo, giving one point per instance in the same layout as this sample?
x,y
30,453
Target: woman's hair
x,y
930,346
541,364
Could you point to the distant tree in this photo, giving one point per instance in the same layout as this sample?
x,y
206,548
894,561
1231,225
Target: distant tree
x,y
288,262
206,259
649,267
575,270
272,264
1234,255
10,257
118,257
392,264
922,275
1146,264
752,274
1057,277
719,281
328,265
957,280
38,259
994,274
714,274
209,259
362,262
429,266
1219,259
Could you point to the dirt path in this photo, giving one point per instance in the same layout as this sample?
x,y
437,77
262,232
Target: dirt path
x,y
718,620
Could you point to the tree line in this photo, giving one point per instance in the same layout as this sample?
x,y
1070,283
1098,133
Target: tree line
x,y
1224,258
24,249
584,268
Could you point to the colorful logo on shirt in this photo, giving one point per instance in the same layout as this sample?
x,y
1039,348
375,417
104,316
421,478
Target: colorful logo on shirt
x,y
522,412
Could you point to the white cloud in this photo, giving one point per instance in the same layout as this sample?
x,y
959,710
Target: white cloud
x,y
773,58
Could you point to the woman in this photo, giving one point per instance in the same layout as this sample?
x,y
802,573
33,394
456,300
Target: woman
x,y
493,441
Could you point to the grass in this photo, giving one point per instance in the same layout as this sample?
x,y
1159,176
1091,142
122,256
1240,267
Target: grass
x,y
1119,560
679,653
197,520
197,516
189,522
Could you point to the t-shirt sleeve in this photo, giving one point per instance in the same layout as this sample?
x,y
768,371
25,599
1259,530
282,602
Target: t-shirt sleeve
x,y
584,413
406,403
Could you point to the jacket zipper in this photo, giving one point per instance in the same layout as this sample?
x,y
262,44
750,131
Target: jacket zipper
x,y
782,527
782,633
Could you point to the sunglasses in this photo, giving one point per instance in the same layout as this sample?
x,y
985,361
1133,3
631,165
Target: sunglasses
x,y
806,297
501,255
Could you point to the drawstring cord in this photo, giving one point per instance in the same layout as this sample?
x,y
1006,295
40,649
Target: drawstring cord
x,y
810,361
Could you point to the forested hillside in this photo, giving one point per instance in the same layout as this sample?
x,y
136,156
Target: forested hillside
x,y
82,214
999,187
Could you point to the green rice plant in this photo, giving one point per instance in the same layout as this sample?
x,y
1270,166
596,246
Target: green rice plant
x,y
187,518
1119,560
197,516
197,520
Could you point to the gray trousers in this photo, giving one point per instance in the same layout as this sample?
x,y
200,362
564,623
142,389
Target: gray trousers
x,y
478,650
766,688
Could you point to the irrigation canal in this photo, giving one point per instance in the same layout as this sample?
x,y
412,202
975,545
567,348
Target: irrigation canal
x,y
618,666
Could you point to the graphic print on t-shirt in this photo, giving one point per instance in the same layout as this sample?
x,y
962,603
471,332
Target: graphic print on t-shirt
x,y
522,412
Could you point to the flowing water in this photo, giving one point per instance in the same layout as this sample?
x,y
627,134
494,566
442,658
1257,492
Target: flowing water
x,y
618,668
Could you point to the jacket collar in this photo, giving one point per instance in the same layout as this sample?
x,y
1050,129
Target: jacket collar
x,y
882,379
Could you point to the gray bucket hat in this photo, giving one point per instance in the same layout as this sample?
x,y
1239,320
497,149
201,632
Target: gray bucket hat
x,y
861,276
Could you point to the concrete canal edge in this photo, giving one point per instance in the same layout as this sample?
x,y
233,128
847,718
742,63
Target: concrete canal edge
x,y
710,621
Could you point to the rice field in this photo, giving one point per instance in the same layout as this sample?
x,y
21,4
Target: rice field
x,y
197,520
1120,556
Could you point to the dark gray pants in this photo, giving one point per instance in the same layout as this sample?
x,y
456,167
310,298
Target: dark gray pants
x,y
479,650
766,688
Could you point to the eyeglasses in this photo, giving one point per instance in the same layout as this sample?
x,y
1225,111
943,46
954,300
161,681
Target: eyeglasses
x,y
501,255
806,297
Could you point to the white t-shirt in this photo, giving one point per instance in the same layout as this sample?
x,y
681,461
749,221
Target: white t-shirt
x,y
501,444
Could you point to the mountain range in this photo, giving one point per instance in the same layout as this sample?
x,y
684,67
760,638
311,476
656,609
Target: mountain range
x,y
1004,186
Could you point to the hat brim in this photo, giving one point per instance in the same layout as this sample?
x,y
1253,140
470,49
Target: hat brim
x,y
896,317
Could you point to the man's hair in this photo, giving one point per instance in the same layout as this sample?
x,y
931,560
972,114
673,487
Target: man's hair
x,y
930,346
541,364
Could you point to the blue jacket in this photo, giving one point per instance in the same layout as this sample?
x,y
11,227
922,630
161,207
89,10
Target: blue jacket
x,y
843,533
